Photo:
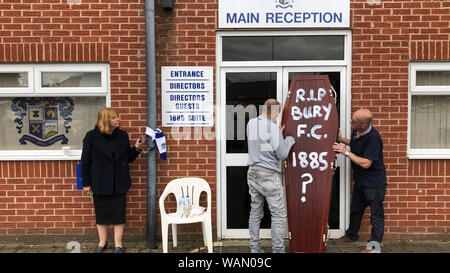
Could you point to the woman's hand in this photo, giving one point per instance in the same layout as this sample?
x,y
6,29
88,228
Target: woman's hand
x,y
139,141
87,189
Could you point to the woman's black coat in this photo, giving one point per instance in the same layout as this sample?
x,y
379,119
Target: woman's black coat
x,y
98,167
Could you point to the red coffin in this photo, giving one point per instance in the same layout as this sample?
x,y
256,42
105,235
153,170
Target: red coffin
x,y
311,117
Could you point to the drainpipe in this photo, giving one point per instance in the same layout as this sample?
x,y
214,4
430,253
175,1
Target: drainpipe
x,y
151,121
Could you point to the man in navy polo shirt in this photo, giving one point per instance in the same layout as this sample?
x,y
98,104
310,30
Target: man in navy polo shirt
x,y
369,176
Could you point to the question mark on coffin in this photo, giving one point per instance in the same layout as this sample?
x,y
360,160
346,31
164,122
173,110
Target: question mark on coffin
x,y
304,183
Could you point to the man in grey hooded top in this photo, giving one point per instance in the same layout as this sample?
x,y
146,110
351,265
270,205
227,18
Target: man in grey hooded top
x,y
266,150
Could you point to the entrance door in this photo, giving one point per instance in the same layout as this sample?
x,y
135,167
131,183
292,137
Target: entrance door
x,y
337,76
243,90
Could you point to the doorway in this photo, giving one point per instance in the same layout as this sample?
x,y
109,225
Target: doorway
x,y
255,66
244,90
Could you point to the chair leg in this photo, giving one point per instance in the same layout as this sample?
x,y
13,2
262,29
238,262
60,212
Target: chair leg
x,y
207,235
174,235
165,235
205,239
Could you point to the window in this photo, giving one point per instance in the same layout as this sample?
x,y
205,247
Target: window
x,y
429,117
283,48
46,109
245,92
16,79
89,79
70,79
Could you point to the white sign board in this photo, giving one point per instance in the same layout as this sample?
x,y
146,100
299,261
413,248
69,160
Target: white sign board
x,y
284,13
187,96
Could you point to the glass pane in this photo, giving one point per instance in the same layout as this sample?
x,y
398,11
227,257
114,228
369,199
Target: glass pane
x,y
283,48
47,123
432,78
430,122
309,48
245,92
247,48
333,216
16,79
238,200
71,79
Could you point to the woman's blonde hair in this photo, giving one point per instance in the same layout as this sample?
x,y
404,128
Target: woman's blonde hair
x,y
103,119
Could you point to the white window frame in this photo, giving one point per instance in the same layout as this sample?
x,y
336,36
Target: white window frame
x,y
35,90
18,68
71,68
415,90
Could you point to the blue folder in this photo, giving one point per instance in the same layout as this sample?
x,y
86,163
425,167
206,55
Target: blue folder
x,y
79,185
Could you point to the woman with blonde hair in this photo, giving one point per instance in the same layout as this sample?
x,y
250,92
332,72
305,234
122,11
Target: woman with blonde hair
x,y
105,171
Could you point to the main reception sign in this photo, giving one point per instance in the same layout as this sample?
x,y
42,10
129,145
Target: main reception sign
x,y
284,13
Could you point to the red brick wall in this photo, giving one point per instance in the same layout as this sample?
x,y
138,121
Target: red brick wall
x,y
186,37
40,197
385,38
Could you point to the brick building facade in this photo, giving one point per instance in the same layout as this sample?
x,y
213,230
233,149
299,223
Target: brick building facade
x,y
40,196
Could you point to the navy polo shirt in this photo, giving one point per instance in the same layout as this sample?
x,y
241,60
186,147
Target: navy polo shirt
x,y
370,146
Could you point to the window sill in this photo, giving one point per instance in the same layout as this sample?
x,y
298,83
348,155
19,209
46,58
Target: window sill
x,y
34,155
429,155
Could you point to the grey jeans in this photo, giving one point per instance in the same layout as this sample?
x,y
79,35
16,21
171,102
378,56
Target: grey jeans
x,y
266,185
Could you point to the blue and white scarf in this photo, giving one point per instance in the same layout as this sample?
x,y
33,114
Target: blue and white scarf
x,y
160,140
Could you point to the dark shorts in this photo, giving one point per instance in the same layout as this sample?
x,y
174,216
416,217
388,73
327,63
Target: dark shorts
x,y
110,210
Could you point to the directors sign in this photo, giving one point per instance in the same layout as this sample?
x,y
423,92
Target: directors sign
x,y
187,96
284,13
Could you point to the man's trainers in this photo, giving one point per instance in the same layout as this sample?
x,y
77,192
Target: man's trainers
x,y
257,250
369,250
343,239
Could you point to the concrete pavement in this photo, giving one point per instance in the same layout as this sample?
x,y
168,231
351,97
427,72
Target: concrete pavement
x,y
85,244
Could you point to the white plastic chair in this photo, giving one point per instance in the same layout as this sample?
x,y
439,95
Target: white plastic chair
x,y
199,185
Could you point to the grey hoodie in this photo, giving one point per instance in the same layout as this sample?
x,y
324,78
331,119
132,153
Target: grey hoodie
x,y
266,146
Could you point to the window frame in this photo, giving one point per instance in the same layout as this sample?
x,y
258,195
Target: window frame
x,y
273,47
71,68
18,68
430,90
284,63
35,90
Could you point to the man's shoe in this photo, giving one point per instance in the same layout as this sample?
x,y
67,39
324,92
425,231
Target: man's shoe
x,y
99,249
343,239
257,250
369,250
118,250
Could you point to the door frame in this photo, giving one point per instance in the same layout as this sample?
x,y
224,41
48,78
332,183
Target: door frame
x,y
220,122
236,159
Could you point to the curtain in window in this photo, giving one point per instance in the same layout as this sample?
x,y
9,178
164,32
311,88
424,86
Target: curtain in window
x,y
14,79
430,122
432,78
71,79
